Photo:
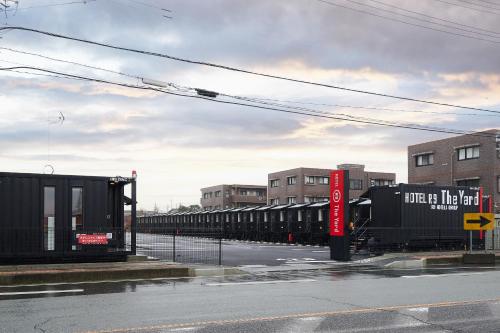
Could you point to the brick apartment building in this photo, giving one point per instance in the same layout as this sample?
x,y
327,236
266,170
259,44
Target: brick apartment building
x,y
466,160
232,196
304,185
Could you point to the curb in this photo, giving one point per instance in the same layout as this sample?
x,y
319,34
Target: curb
x,y
20,278
95,275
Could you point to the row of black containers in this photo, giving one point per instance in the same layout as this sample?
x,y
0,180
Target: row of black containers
x,y
398,216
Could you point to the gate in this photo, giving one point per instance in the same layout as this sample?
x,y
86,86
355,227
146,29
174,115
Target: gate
x,y
183,245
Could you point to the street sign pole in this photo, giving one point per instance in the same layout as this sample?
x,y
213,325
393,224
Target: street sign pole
x,y
470,241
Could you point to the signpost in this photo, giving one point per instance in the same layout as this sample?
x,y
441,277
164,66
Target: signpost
x,y
339,215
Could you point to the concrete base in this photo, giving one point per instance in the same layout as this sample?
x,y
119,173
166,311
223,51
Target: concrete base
x,y
479,258
418,263
137,257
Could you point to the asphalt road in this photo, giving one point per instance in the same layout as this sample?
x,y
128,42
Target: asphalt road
x,y
358,298
234,253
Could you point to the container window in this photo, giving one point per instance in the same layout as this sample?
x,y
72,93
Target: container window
x,y
282,216
320,215
49,217
299,216
76,208
251,217
265,216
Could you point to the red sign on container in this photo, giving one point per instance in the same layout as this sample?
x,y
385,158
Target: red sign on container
x,y
337,203
95,239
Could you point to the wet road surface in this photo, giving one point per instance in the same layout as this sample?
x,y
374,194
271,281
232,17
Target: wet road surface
x,y
342,298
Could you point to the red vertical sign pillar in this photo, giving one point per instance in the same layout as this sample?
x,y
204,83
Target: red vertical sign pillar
x,y
339,215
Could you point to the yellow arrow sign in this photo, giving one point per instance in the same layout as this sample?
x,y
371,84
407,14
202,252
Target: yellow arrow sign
x,y
479,221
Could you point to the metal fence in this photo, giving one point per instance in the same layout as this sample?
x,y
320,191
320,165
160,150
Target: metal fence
x,y
396,239
187,245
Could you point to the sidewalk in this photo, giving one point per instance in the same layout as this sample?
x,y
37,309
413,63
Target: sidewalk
x,y
90,272
425,259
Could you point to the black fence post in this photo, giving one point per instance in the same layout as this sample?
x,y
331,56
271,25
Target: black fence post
x,y
133,218
173,246
220,249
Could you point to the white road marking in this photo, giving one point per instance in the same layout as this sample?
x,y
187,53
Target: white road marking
x,y
418,310
40,292
184,329
257,282
320,251
440,275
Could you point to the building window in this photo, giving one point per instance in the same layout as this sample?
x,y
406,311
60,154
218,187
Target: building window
x,y
324,180
291,180
498,145
381,182
218,194
356,184
292,200
282,216
468,153
309,180
275,201
320,215
308,199
474,182
49,217
299,216
265,216
424,159
251,217
274,183
243,192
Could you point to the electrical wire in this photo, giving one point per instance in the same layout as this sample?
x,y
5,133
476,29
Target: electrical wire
x,y
245,71
472,8
377,108
84,2
186,89
479,5
317,115
434,17
422,20
408,23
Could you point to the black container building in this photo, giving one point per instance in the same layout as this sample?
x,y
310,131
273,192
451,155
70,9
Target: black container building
x,y
411,215
59,218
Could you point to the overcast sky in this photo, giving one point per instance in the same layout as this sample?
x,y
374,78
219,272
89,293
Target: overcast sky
x,y
178,145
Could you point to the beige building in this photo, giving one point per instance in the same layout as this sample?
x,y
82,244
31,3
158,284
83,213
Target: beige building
x,y
232,196
466,160
304,185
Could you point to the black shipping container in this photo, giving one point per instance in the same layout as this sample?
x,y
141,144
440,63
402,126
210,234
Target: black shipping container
x,y
419,215
44,218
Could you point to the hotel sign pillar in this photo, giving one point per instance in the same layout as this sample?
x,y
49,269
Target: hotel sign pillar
x,y
339,216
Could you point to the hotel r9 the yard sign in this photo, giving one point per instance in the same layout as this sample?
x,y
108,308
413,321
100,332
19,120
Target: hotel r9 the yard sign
x,y
337,202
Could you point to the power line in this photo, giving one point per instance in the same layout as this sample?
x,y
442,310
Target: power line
x,y
185,89
240,70
361,121
434,17
493,3
408,23
84,2
479,5
70,62
377,108
422,20
472,8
